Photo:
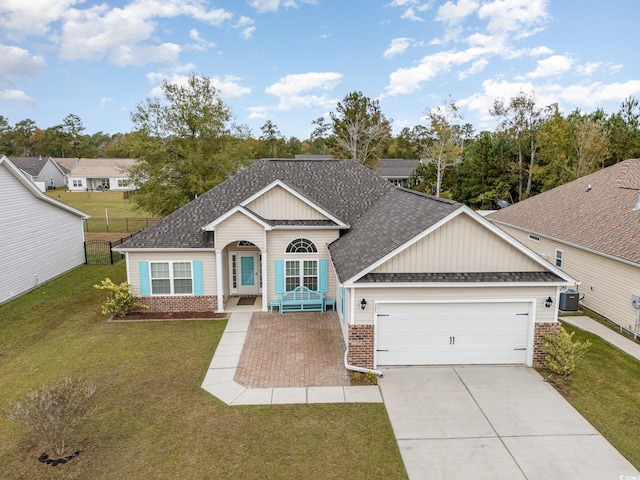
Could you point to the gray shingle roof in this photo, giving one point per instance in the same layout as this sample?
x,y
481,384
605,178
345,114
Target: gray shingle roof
x,y
508,277
396,167
31,165
390,223
599,218
341,187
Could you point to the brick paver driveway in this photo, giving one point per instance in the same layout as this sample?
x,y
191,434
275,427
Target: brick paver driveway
x,y
293,350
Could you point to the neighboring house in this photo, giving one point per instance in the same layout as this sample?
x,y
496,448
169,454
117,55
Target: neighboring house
x,y
40,237
100,174
590,228
396,170
415,279
41,170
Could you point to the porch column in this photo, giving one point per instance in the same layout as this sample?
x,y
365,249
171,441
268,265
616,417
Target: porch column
x,y
219,281
265,282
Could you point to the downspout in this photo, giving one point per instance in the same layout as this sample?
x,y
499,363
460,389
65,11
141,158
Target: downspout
x,y
355,368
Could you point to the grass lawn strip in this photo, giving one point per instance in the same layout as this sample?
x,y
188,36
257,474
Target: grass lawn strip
x,y
152,418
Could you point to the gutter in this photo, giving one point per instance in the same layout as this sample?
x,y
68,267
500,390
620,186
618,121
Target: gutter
x,y
354,368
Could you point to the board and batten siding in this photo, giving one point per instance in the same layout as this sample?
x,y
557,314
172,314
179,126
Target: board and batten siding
x,y
207,258
279,204
607,284
239,227
460,245
38,241
453,294
277,241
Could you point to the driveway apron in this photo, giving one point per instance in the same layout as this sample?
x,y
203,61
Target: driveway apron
x,y
492,423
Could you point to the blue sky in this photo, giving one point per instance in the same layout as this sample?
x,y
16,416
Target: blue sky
x,y
291,61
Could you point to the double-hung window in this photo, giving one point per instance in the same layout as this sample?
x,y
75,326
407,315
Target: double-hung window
x,y
171,278
558,258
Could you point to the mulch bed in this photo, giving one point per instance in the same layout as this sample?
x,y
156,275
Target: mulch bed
x,y
151,316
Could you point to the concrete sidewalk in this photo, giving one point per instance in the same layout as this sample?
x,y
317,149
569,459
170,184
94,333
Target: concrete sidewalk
x,y
220,377
614,338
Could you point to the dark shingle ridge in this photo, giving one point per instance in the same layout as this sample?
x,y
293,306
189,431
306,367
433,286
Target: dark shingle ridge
x,y
342,187
459,277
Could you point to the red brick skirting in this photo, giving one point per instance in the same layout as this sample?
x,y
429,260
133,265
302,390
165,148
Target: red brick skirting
x,y
192,303
538,337
361,341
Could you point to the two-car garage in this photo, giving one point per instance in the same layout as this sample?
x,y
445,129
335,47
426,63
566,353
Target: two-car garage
x,y
418,333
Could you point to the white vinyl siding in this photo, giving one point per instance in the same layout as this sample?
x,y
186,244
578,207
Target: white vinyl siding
x,y
460,245
38,240
606,284
239,227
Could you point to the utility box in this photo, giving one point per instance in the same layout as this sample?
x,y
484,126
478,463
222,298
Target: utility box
x,y
569,301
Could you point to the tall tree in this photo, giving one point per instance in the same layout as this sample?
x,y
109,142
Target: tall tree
x,y
445,143
6,137
73,127
521,119
270,138
360,130
184,143
319,137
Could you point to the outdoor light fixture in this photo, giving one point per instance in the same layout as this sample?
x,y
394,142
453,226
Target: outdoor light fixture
x,y
363,304
548,302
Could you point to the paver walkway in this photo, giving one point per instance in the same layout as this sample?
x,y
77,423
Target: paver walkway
x,y
293,350
220,377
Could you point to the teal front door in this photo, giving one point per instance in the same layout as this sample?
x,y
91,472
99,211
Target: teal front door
x,y
248,284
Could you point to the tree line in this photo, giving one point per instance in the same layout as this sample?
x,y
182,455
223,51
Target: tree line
x,y
187,141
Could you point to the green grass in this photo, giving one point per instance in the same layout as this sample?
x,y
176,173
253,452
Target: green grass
x,y
605,389
94,203
152,419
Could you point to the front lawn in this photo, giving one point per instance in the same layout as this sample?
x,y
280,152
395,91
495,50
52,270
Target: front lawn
x,y
605,389
152,418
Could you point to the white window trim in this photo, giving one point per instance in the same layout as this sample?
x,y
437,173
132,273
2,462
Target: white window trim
x,y
171,279
310,243
559,258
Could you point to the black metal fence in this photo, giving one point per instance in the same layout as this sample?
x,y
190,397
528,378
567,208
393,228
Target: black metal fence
x,y
100,252
125,225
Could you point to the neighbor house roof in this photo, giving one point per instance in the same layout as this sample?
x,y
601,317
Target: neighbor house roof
x,y
30,165
101,167
396,167
594,212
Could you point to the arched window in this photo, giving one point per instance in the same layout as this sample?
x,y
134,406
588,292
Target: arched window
x,y
301,245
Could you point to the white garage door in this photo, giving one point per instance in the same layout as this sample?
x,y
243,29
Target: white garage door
x,y
452,333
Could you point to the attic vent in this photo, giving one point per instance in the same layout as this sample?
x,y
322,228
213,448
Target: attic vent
x,y
534,238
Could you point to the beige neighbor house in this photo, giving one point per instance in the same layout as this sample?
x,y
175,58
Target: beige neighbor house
x,y
40,237
415,279
590,228
90,174
43,171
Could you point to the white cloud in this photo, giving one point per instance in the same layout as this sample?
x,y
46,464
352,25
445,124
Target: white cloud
x,y
411,8
263,6
513,15
398,46
104,101
228,86
540,51
453,13
200,43
290,88
16,96
18,17
551,66
18,62
246,26
258,113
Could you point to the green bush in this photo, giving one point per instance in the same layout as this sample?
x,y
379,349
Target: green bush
x,y
562,352
51,412
121,301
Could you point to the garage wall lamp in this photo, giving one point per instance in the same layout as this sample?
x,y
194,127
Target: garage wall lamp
x,y
548,302
363,304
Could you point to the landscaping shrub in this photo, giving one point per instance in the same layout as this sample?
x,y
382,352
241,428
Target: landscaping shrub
x,y
51,411
562,352
121,301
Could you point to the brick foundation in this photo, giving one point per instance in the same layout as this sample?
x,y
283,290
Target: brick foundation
x,y
361,342
191,303
538,337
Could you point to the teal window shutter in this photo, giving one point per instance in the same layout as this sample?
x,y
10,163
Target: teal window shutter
x,y
145,284
198,281
279,276
323,267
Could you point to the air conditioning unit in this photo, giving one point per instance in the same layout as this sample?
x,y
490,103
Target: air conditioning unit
x,y
635,301
569,301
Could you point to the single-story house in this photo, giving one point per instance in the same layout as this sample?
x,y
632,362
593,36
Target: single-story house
x,y
589,228
41,238
415,279
396,170
100,174
41,171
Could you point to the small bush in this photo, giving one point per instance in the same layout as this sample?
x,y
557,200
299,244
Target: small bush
x,y
51,412
121,301
562,352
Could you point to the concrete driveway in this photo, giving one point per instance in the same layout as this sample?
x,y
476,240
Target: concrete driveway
x,y
493,423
